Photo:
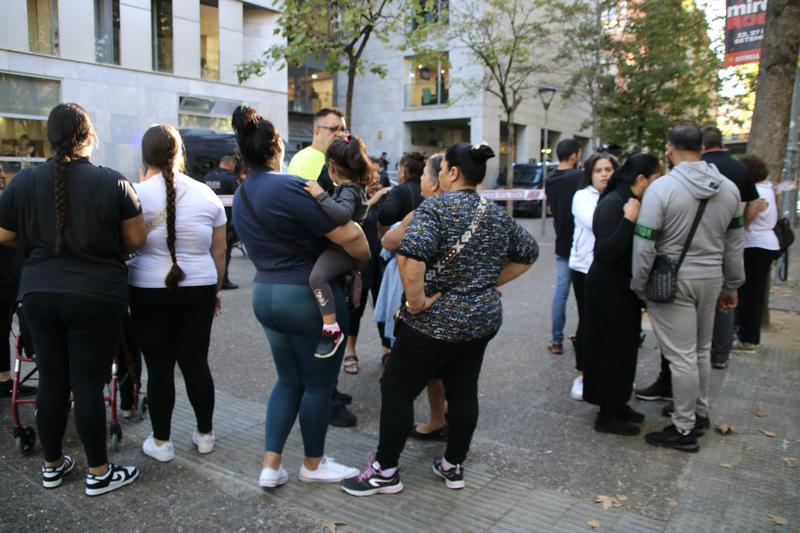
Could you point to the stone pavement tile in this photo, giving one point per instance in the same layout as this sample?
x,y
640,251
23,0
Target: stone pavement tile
x,y
636,523
578,516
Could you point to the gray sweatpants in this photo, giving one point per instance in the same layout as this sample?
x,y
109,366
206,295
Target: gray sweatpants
x,y
684,329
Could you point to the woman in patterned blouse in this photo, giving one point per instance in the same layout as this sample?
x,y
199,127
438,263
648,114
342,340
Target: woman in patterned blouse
x,y
452,311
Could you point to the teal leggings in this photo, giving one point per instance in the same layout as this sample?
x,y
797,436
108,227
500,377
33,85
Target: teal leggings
x,y
291,319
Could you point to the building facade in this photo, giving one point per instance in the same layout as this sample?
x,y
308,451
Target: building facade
x,y
131,64
419,106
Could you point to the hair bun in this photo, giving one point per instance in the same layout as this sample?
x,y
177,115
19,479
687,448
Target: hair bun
x,y
244,117
481,153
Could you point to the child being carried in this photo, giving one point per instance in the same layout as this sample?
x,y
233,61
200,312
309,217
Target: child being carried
x,y
350,168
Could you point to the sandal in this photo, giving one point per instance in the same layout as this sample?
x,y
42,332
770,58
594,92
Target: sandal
x,y
351,364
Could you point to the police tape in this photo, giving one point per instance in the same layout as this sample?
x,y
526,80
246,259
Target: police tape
x,y
489,194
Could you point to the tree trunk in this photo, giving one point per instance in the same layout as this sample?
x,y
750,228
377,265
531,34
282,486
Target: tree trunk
x,y
512,156
776,72
351,80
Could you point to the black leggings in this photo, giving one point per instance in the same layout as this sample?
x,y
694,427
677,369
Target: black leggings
x,y
415,360
175,326
76,339
373,283
331,264
6,314
578,286
750,311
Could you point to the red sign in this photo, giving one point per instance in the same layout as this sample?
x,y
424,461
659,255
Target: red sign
x,y
744,30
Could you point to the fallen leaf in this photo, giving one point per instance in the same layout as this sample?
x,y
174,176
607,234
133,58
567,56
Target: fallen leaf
x,y
607,502
331,526
777,520
769,434
725,465
594,524
622,497
760,412
747,447
790,461
672,503
723,428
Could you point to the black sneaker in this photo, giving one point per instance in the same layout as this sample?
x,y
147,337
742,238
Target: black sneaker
x,y
615,424
670,437
116,478
453,478
341,417
228,285
656,391
629,415
372,481
329,342
23,391
701,425
556,347
52,476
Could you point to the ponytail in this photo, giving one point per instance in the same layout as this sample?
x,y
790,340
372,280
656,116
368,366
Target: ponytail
x,y
68,130
162,148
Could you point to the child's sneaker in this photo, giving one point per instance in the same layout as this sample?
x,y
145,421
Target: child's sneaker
x,y
116,478
329,342
372,481
453,478
52,476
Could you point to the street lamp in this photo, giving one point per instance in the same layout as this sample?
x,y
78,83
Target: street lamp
x,y
546,93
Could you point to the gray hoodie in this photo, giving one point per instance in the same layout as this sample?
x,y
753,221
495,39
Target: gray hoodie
x,y
668,209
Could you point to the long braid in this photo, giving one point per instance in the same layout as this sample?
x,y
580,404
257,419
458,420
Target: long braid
x,y
175,274
60,179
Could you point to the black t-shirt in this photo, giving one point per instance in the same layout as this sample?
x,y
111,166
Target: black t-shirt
x,y
92,262
215,179
399,202
735,171
228,184
560,188
10,269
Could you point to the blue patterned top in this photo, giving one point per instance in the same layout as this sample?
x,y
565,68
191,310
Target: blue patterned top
x,y
470,306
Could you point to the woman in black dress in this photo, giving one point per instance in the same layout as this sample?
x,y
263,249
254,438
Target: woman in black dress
x,y
612,311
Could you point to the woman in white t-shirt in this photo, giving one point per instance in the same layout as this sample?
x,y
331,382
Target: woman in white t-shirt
x,y
597,171
175,283
761,248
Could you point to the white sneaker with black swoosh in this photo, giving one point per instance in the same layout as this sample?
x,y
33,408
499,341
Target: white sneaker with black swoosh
x,y
116,478
52,476
373,481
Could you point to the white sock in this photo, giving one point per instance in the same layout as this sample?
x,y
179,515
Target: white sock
x,y
333,328
446,464
385,472
683,432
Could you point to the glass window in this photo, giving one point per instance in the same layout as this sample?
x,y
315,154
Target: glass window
x,y
310,89
106,31
209,39
205,113
428,82
24,105
437,136
162,35
43,26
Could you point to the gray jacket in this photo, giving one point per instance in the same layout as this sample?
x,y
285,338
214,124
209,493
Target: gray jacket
x,y
668,209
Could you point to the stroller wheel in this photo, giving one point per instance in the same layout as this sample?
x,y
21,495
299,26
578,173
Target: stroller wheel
x,y
25,439
116,434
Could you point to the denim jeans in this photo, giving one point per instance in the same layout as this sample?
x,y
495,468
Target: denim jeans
x,y
558,310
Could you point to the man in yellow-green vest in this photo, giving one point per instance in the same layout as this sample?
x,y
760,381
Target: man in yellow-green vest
x,y
309,163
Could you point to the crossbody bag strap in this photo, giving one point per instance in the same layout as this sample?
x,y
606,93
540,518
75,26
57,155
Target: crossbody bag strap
x,y
439,266
695,223
294,247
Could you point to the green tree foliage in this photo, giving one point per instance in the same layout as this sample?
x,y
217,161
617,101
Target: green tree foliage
x,y
337,31
665,73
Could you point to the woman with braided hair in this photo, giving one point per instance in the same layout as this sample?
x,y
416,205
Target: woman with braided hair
x,y
75,223
175,283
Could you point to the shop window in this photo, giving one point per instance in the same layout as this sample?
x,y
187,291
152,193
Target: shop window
x,y
24,105
106,31
43,26
162,35
428,82
209,40
310,89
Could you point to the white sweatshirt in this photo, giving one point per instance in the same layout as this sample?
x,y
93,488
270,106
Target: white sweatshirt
x,y
583,205
760,233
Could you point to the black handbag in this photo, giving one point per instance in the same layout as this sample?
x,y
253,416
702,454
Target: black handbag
x,y
662,286
783,230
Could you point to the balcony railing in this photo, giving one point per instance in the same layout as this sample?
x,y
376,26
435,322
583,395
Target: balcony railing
x,y
419,95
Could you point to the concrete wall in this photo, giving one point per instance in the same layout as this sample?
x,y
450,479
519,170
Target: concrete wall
x,y
135,34
186,38
76,29
15,17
